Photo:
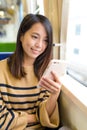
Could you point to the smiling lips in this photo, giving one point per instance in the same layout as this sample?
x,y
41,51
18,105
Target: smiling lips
x,y
35,51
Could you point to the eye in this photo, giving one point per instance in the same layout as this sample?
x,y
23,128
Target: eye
x,y
46,40
34,36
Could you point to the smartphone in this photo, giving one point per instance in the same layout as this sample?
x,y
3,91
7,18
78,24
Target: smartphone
x,y
57,66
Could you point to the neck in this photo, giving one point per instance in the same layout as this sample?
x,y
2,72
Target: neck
x,y
28,62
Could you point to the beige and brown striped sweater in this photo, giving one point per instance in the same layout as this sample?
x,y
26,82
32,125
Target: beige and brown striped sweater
x,y
18,98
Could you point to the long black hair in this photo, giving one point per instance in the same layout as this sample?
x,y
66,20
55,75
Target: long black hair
x,y
15,61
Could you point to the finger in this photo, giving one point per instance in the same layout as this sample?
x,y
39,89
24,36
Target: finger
x,y
49,89
56,85
56,78
49,84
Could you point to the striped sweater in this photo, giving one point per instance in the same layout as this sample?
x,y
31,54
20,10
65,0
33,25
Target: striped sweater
x,y
20,97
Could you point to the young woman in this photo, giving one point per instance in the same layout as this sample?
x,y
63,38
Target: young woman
x,y
23,105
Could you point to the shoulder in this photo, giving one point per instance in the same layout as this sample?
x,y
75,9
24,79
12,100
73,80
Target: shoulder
x,y
3,69
3,64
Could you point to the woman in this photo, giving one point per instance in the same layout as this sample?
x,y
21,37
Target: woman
x,y
24,106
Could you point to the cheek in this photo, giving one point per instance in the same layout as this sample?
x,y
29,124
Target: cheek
x,y
25,43
44,47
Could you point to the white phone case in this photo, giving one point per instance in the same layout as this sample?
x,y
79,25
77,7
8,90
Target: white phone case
x,y
57,66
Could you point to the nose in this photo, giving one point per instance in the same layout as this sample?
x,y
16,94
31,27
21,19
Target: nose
x,y
39,43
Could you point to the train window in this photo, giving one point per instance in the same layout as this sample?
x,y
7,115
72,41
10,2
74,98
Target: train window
x,y
76,40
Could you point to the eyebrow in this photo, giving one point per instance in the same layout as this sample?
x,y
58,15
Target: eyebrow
x,y
35,33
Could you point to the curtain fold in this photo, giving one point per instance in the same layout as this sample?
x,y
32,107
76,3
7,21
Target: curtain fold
x,y
53,10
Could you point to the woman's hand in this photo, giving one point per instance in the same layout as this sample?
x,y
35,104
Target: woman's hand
x,y
53,85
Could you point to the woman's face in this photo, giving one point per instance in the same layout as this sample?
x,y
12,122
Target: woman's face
x,y
34,42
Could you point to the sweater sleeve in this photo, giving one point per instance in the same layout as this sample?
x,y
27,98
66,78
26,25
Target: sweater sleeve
x,y
45,120
10,119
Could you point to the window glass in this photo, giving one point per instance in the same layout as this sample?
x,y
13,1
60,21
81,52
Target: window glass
x,y
76,49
